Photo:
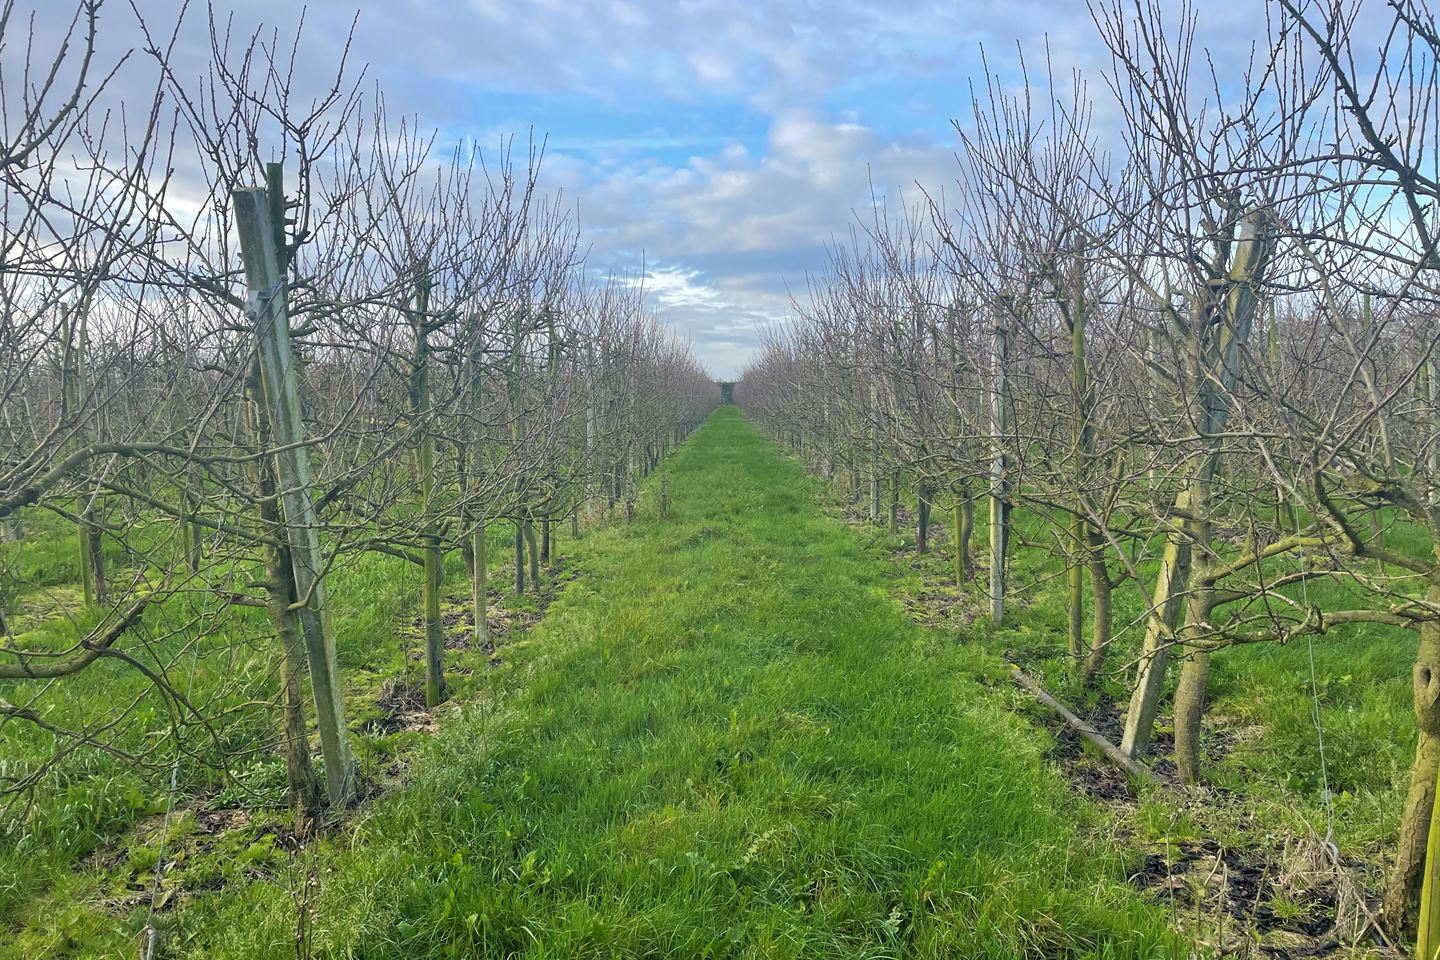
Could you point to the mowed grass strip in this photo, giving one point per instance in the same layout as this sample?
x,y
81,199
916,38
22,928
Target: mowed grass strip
x,y
725,741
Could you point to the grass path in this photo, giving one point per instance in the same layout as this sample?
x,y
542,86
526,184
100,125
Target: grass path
x,y
726,740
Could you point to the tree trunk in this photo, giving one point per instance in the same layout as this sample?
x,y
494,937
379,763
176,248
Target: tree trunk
x,y
875,464
895,501
1100,626
875,494
93,561
473,458
1405,878
1082,400
301,781
534,555
91,548
1425,697
1195,671
1189,712
1159,633
1427,940
192,533
592,433
967,534
519,558
962,561
1076,583
1212,373
480,586
922,529
999,482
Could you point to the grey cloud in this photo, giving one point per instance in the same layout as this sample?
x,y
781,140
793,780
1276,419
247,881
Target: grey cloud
x,y
734,224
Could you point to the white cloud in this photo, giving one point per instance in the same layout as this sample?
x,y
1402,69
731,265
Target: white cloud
x,y
679,287
725,217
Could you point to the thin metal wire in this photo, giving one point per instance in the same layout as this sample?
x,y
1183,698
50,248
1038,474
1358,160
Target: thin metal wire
x,y
1319,732
150,934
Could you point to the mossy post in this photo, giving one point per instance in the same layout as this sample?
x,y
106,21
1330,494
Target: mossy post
x,y
300,778
432,560
268,311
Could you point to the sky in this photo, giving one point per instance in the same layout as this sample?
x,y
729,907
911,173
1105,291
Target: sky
x,y
722,145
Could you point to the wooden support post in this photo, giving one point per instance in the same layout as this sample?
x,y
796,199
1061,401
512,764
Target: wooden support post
x,y
268,311
300,777
433,560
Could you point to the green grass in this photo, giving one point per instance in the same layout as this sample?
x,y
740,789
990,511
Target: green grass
x,y
91,799
1261,701
724,740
